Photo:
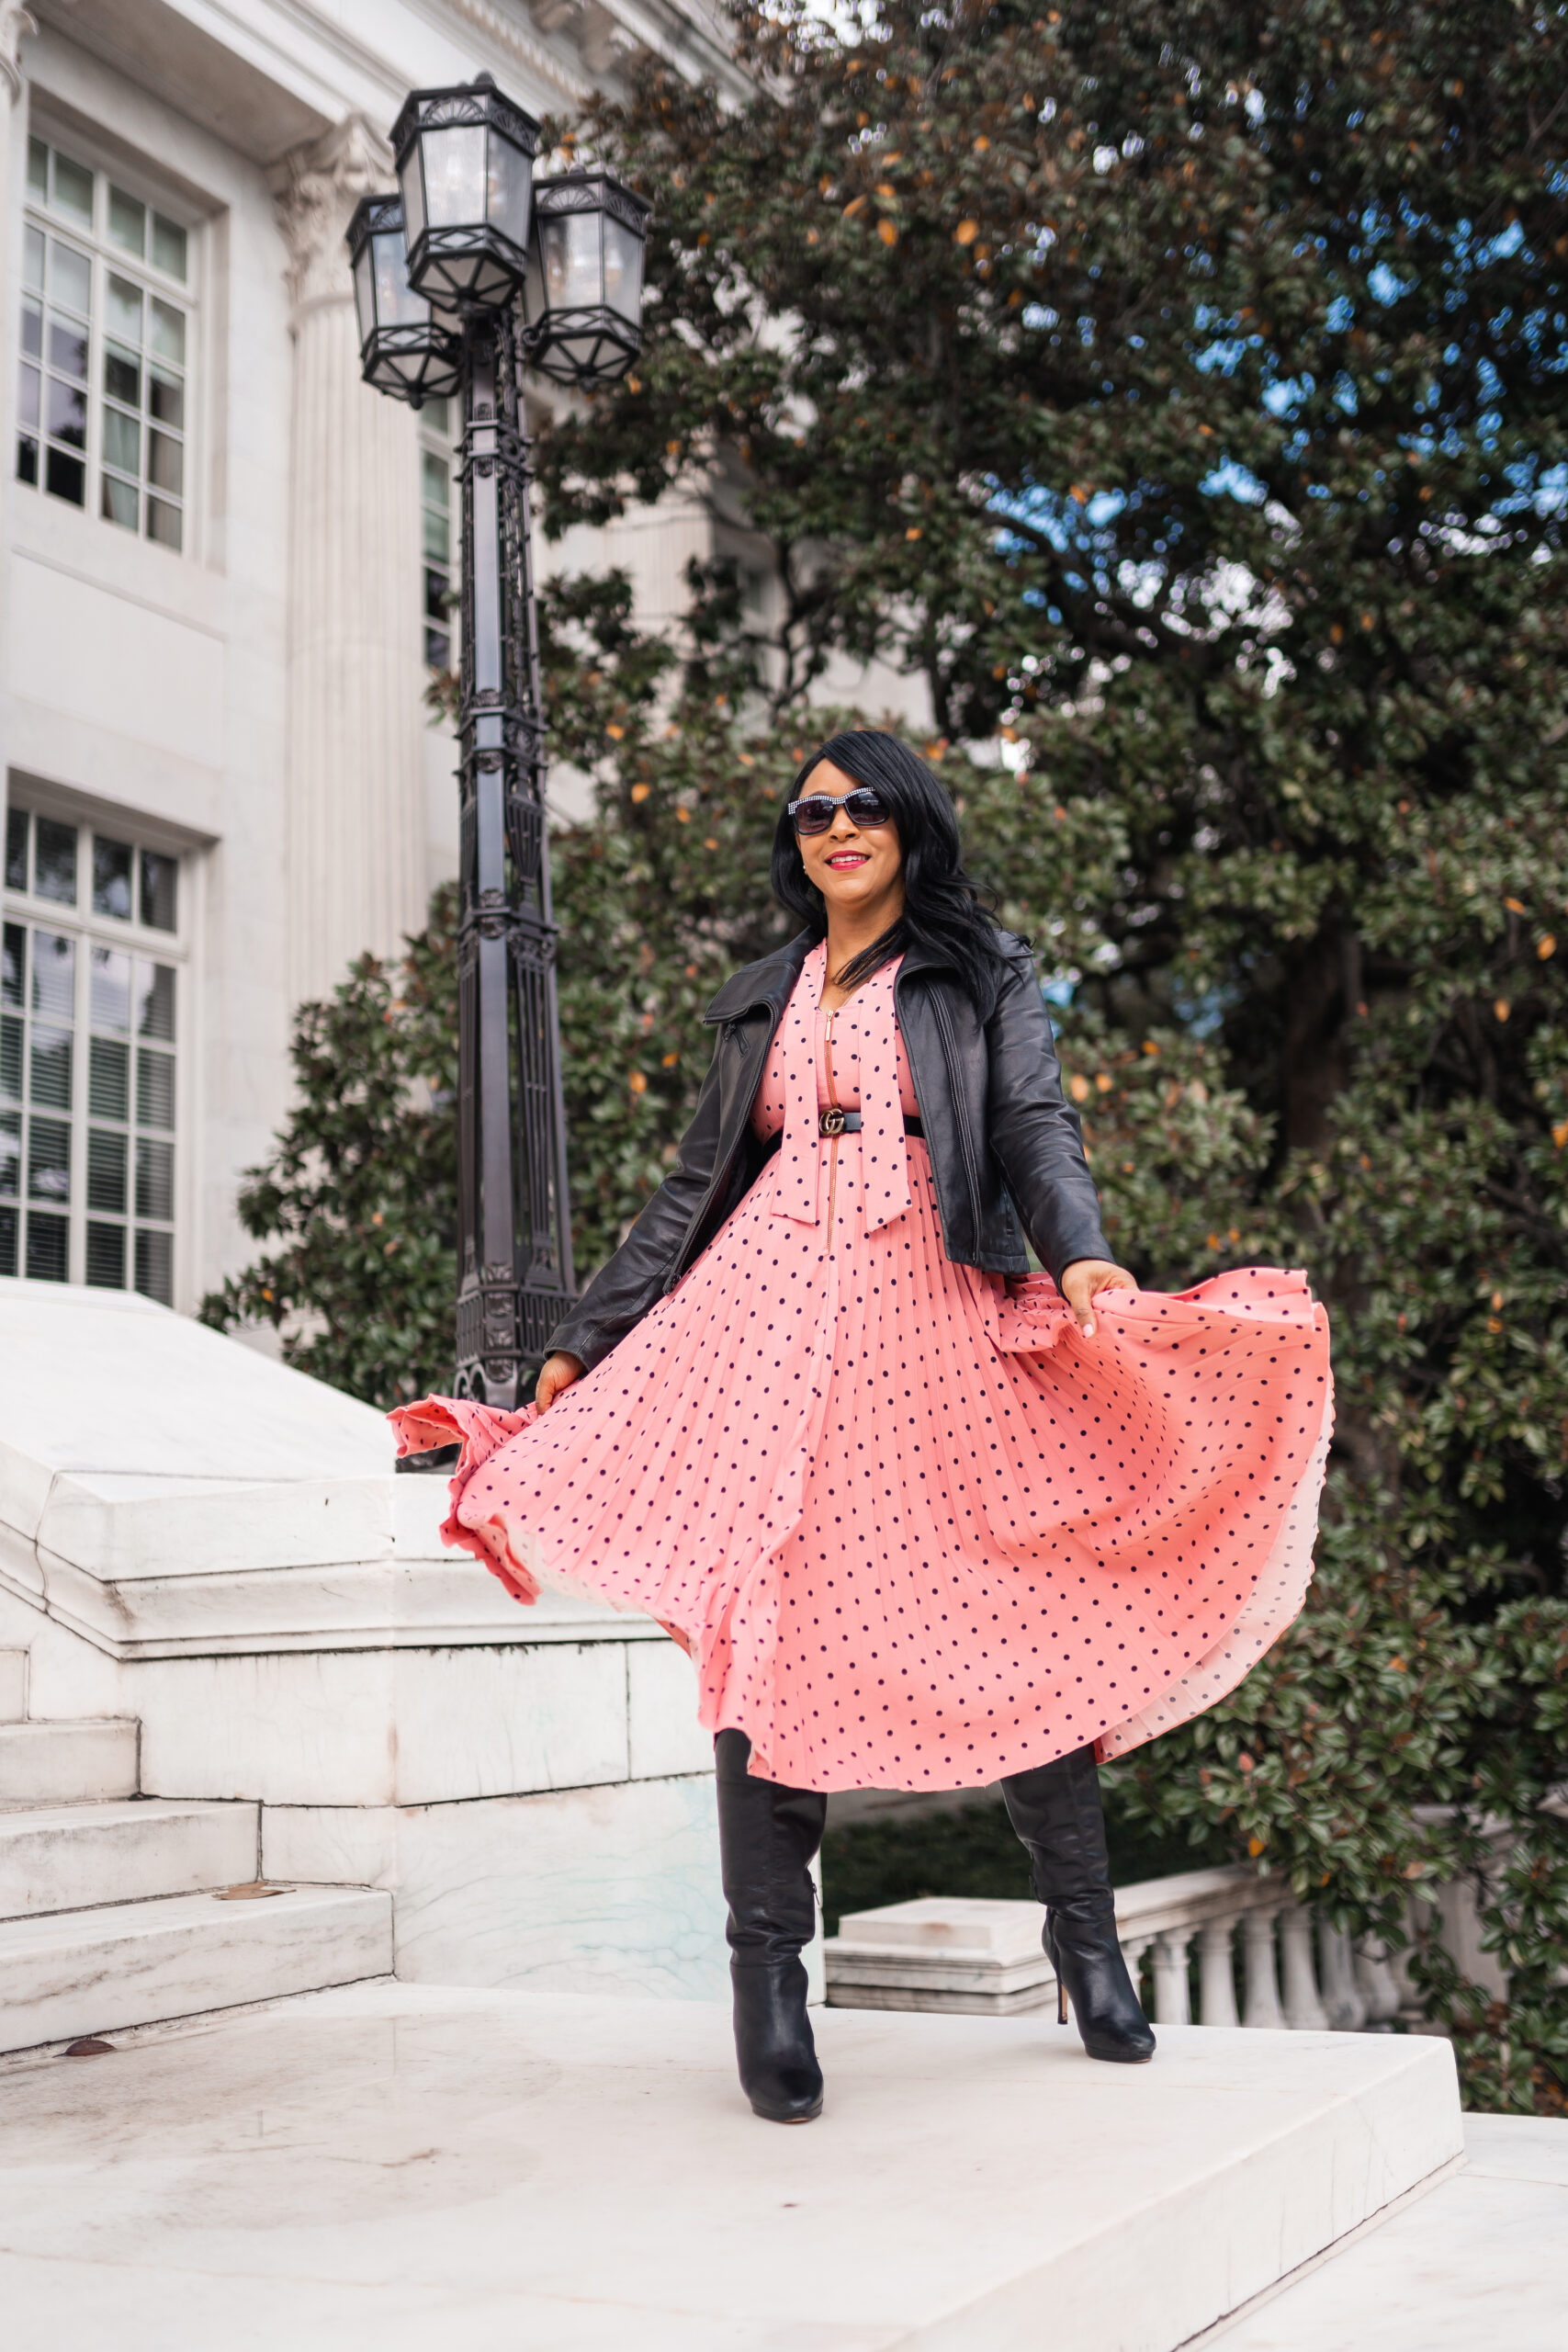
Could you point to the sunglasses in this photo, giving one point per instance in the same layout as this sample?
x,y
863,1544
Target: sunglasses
x,y
817,811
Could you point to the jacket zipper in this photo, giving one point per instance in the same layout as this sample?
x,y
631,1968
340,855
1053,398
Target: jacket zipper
x,y
960,1119
833,1144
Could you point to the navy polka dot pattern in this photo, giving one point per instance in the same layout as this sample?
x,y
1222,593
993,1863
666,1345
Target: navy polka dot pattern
x,y
914,1528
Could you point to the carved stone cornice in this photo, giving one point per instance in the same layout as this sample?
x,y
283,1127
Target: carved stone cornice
x,y
315,192
16,24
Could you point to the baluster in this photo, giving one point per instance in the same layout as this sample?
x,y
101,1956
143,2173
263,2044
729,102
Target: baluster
x,y
1341,1994
1173,2004
1262,1986
1216,1977
1376,1978
1304,2013
1134,1949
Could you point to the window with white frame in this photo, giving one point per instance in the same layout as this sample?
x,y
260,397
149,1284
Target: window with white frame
x,y
107,335
438,519
90,1018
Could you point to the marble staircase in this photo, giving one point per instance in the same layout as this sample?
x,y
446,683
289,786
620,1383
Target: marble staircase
x,y
118,1910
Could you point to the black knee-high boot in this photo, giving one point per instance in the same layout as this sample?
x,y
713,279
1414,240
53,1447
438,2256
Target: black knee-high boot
x,y
767,1835
1056,1812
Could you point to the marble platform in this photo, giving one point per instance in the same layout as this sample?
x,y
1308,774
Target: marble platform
x,y
388,2166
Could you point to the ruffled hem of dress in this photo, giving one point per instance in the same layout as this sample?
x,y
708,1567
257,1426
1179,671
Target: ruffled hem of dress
x,y
480,1430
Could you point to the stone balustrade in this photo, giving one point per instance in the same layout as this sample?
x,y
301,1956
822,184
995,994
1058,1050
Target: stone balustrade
x,y
1258,1957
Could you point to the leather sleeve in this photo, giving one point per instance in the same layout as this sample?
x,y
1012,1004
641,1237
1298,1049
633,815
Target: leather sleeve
x,y
1035,1131
631,1281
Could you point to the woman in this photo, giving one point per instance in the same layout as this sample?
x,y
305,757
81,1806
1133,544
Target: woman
x,y
922,1518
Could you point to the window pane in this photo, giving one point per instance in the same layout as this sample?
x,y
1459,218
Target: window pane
x,y
30,408
10,1154
122,502
437,477
48,1247
54,870
48,1161
54,965
437,535
13,959
169,247
128,223
122,376
32,331
155,1088
155,1001
50,1079
123,310
106,1257
437,650
165,462
32,259
107,1171
110,983
65,477
158,876
69,277
166,398
11,1058
155,1267
15,865
109,1079
9,1223
168,337
163,523
72,189
111,881
67,414
154,1179
27,460
38,170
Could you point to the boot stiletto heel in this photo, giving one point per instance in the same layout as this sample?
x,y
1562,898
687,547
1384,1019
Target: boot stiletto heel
x,y
1056,1812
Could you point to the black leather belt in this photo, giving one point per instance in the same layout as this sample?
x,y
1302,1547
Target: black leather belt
x,y
834,1122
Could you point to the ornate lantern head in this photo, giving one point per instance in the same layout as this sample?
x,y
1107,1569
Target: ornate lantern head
x,y
583,290
404,347
465,164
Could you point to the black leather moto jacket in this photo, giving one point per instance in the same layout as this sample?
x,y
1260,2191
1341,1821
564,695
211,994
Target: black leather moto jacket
x,y
1004,1142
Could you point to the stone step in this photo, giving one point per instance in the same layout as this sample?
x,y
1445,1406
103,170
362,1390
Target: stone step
x,y
79,1972
13,1686
87,1761
68,1858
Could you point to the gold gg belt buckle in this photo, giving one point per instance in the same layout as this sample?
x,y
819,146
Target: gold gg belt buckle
x,y
830,1123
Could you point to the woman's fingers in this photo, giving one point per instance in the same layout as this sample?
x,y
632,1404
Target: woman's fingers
x,y
1081,1284
559,1373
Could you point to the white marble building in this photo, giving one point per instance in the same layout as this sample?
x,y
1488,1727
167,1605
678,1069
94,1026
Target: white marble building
x,y
220,579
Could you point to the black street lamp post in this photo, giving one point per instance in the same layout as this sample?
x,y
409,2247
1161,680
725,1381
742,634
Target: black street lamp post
x,y
498,272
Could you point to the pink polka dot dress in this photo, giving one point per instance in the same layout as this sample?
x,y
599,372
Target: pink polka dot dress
x,y
914,1528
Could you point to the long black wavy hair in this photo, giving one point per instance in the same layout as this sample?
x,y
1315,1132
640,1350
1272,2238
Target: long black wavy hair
x,y
944,908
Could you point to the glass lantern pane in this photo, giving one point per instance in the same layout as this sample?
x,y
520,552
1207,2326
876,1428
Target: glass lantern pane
x,y
570,247
397,304
509,187
623,269
412,184
364,294
455,175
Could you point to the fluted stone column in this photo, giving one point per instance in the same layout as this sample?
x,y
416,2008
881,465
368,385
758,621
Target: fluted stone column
x,y
355,676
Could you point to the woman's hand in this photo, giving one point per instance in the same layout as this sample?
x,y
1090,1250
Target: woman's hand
x,y
559,1373
1084,1282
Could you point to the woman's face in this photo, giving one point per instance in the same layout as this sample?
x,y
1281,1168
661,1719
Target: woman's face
x,y
858,870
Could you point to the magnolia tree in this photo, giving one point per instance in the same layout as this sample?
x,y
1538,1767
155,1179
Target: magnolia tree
x,y
1176,394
